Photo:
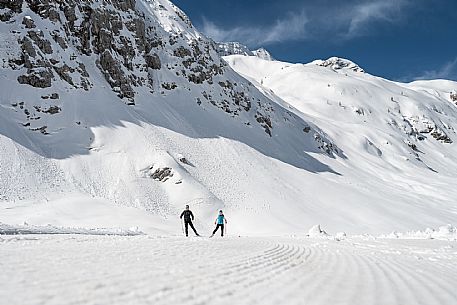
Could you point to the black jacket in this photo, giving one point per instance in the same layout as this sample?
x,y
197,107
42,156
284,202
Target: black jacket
x,y
187,215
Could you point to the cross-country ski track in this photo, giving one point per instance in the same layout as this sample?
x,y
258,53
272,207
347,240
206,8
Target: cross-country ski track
x,y
79,269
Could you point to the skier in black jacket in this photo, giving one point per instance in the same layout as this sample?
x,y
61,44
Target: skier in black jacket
x,y
188,217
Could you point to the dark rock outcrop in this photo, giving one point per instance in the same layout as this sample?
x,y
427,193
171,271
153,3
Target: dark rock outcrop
x,y
40,79
153,61
162,174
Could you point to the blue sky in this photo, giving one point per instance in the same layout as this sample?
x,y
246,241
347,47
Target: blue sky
x,y
396,39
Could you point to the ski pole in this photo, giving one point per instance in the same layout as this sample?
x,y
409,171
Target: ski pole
x,y
182,226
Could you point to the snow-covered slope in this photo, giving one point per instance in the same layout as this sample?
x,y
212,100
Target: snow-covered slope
x,y
125,104
399,139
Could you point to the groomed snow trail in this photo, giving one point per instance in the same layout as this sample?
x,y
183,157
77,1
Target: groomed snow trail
x,y
65,269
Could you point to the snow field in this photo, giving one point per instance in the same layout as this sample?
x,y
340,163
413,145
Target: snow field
x,y
273,270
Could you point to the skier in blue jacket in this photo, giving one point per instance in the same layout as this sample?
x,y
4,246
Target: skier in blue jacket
x,y
220,221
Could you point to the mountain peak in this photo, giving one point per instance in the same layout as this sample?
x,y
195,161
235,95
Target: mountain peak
x,y
233,48
337,63
236,48
263,54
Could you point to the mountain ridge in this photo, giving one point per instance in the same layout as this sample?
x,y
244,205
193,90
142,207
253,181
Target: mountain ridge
x,y
236,48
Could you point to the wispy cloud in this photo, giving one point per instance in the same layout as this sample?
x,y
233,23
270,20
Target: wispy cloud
x,y
447,71
347,20
293,27
364,14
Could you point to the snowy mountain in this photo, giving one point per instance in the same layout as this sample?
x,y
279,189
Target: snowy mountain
x,y
398,139
118,113
127,103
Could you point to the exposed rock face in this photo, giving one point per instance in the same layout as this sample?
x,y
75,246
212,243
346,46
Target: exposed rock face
x,y
336,63
52,110
90,29
38,79
453,96
125,46
144,50
115,76
28,22
153,61
236,48
40,41
8,8
233,48
440,135
116,32
162,174
263,54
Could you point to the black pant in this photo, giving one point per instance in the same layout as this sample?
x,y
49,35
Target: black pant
x,y
188,223
217,227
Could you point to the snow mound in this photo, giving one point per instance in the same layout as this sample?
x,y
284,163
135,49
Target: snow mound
x,y
6,229
340,236
316,231
447,232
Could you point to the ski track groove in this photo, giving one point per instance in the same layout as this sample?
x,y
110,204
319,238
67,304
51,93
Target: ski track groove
x,y
357,266
238,260
251,272
401,280
290,283
325,269
432,281
336,272
386,282
224,271
390,266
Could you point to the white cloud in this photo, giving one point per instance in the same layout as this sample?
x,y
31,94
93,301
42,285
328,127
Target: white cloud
x,y
447,71
347,20
364,14
287,29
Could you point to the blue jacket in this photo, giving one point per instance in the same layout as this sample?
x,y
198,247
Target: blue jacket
x,y
220,220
